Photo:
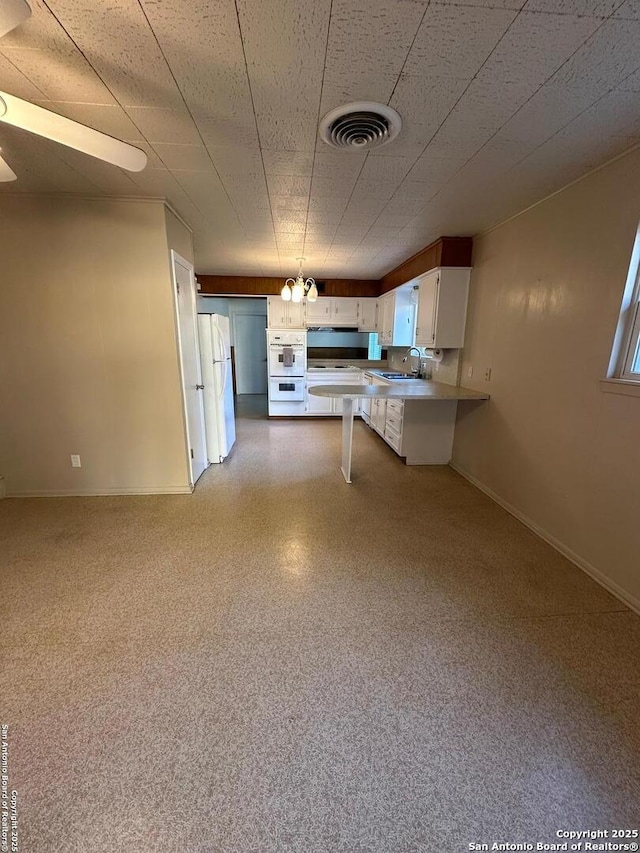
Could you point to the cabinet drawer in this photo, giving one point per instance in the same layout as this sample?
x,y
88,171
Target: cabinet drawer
x,y
393,422
395,406
393,439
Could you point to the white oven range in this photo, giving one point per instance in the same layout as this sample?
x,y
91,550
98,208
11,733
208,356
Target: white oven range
x,y
286,388
287,365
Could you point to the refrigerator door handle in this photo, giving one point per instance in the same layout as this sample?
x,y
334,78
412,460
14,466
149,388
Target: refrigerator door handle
x,y
223,384
218,344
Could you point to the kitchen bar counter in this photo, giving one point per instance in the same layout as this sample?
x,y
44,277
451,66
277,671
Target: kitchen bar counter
x,y
411,389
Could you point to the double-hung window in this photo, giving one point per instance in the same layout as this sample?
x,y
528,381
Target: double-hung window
x,y
623,375
631,362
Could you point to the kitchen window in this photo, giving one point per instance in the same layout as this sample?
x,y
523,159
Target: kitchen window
x,y
374,352
623,376
631,367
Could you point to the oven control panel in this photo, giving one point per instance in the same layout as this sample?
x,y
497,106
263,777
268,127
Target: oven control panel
x,y
287,338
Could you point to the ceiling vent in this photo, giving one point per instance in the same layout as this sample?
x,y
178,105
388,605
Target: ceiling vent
x,y
360,126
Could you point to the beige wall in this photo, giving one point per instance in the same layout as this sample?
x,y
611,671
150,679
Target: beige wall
x,y
179,237
545,295
88,351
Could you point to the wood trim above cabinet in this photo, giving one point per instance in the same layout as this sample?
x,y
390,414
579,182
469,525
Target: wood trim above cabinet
x,y
445,252
228,285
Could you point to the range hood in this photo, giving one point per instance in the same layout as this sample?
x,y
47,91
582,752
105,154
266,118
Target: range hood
x,y
343,329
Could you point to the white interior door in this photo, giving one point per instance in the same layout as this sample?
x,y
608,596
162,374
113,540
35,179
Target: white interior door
x,y
185,293
250,353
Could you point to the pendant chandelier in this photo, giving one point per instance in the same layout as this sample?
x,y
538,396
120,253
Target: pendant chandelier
x,y
295,290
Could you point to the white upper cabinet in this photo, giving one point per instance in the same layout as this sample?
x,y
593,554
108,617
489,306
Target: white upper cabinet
x,y
344,311
368,315
442,308
319,312
276,312
332,311
284,315
295,319
396,318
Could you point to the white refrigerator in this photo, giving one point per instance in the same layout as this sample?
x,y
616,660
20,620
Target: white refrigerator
x,y
215,358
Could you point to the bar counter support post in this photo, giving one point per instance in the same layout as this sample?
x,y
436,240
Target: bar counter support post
x,y
347,436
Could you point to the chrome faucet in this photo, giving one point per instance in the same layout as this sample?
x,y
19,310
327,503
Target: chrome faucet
x,y
415,371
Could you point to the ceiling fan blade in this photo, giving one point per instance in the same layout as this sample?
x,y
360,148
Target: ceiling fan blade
x,y
43,122
12,13
6,172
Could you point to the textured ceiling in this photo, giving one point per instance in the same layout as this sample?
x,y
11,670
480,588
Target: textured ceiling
x,y
503,101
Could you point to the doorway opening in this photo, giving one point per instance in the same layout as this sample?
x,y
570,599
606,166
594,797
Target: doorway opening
x,y
184,289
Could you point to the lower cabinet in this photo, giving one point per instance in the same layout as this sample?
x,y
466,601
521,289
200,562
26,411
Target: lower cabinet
x,y
421,431
386,419
365,409
330,405
378,414
393,424
373,409
318,405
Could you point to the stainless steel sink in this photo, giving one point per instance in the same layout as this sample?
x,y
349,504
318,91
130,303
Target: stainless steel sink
x,y
398,376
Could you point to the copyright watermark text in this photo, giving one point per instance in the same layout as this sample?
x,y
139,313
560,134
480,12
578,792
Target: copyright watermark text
x,y
583,840
8,799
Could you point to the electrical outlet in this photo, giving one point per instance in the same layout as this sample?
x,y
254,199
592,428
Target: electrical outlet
x,y
75,461
487,374
470,372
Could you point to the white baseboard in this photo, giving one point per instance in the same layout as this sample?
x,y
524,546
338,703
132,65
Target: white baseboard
x,y
88,493
598,576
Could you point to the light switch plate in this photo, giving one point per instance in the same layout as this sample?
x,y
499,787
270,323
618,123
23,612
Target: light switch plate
x,y
75,461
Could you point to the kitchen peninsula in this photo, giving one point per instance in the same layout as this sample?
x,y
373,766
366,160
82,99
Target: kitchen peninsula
x,y
438,404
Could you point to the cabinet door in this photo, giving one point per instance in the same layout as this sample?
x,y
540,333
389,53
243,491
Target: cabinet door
x,y
427,307
318,313
382,414
295,315
365,402
318,405
451,307
276,312
365,408
385,319
379,414
344,311
404,319
368,315
390,317
382,329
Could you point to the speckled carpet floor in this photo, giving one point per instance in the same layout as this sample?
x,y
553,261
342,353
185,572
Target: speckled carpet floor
x,y
282,662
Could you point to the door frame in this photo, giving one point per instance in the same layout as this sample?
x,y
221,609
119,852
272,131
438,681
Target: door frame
x,y
235,346
178,259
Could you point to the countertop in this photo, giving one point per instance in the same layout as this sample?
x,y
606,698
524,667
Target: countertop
x,y
350,368
326,365
410,390
380,371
